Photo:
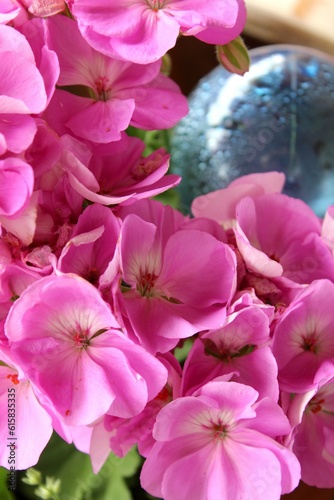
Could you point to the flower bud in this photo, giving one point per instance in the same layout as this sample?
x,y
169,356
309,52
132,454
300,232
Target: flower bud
x,y
234,56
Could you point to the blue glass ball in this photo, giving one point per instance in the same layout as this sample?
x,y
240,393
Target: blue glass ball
x,y
278,116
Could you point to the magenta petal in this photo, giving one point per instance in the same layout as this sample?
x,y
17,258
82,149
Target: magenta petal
x,y
16,186
20,95
8,11
27,413
15,42
137,241
136,376
75,64
158,324
212,260
19,131
100,121
160,105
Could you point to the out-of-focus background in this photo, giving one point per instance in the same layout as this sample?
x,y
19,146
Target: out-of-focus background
x,y
302,22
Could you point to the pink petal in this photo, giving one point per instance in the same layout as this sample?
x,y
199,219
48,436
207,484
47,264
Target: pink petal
x,y
211,259
25,94
18,130
159,104
100,121
16,185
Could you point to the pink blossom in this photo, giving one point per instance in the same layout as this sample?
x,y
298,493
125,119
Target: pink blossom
x,y
44,152
220,443
123,433
19,96
26,94
9,9
327,229
16,186
46,59
15,278
220,205
92,244
157,264
311,415
66,339
144,31
23,226
279,235
21,414
303,342
16,132
239,351
119,174
120,93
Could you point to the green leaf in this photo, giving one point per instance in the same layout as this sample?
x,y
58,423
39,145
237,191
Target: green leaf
x,y
78,481
5,493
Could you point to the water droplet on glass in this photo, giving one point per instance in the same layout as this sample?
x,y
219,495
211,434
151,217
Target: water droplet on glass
x,y
279,116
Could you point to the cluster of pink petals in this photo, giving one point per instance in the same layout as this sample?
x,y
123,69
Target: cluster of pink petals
x,y
207,445
143,31
100,286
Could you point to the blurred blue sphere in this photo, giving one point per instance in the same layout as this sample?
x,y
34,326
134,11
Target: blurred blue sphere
x,y
278,116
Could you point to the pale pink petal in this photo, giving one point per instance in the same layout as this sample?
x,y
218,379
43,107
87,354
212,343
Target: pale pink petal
x,y
21,438
159,104
16,185
24,225
12,41
25,94
100,121
139,37
8,11
18,130
214,261
220,205
271,182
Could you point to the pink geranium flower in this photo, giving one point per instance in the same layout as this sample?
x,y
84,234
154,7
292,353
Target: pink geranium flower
x,y
144,31
220,205
92,244
118,93
20,415
22,95
119,174
280,236
220,443
67,341
314,434
157,264
19,97
239,350
303,342
327,229
16,186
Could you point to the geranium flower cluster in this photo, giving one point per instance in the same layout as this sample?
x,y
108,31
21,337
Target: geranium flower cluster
x,y
100,284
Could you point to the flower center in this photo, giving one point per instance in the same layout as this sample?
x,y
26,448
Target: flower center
x,y
14,378
80,340
224,353
310,343
145,167
102,87
219,430
155,4
316,404
146,283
